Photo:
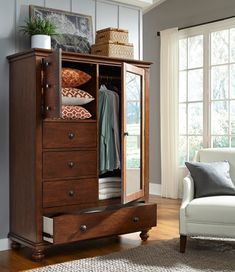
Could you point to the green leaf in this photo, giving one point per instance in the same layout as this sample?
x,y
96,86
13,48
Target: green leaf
x,y
37,25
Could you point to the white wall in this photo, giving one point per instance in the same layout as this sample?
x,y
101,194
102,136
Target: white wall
x,y
12,14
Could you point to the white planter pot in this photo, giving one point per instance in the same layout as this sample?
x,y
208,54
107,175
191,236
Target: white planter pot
x,y
41,41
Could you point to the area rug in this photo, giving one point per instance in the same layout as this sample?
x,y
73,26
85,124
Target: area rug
x,y
201,255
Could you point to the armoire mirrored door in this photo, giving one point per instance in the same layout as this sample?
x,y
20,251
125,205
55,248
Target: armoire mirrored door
x,y
132,133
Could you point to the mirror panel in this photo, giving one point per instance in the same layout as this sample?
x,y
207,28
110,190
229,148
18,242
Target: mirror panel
x,y
133,132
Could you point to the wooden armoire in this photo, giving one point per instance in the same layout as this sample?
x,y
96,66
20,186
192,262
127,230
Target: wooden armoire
x,y
54,163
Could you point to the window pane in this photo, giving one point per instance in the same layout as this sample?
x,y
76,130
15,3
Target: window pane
x,y
219,47
219,117
219,82
182,119
195,51
195,119
195,85
183,54
232,80
220,141
232,45
232,117
233,141
195,144
182,86
182,150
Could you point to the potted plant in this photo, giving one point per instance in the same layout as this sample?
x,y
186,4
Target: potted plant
x,y
40,30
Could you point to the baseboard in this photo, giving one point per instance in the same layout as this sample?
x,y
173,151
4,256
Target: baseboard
x,y
4,244
154,189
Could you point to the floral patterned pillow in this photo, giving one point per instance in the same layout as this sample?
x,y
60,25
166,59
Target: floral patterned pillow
x,y
73,77
75,112
73,96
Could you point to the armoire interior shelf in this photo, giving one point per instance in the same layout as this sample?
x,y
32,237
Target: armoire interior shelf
x,y
54,163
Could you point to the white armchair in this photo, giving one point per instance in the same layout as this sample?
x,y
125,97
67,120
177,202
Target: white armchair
x,y
212,216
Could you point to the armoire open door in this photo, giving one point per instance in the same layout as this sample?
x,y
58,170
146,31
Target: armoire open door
x,y
132,132
52,85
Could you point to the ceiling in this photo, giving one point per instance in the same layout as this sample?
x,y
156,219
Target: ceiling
x,y
144,4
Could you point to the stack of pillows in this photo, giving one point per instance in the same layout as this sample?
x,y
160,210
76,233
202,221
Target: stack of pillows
x,y
72,96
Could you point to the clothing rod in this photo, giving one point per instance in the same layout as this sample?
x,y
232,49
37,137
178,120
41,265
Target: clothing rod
x,y
109,77
210,22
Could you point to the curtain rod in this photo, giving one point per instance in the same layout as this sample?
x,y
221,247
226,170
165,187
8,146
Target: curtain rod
x,y
210,22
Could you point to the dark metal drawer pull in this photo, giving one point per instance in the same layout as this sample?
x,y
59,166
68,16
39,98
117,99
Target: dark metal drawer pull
x,y
71,193
71,135
83,228
136,219
71,164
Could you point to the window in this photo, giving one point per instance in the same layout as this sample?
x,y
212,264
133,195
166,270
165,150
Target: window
x,y
206,88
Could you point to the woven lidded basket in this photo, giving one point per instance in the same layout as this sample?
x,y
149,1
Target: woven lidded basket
x,y
111,34
113,49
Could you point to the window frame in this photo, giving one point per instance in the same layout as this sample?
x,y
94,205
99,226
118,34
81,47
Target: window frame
x,y
205,31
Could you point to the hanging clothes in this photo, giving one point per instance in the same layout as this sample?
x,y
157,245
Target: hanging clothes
x,y
109,130
115,125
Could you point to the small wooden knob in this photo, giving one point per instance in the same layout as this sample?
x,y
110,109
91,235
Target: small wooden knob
x,y
48,108
83,228
71,135
136,219
71,164
71,193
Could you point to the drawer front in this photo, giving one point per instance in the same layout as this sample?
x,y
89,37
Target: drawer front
x,y
69,164
72,227
59,135
60,193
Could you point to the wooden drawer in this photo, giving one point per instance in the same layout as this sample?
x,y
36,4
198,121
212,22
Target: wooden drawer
x,y
102,222
56,135
66,164
60,193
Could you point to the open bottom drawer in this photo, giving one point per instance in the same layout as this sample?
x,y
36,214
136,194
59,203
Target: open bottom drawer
x,y
98,223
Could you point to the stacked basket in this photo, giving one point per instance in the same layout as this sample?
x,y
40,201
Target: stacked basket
x,y
113,42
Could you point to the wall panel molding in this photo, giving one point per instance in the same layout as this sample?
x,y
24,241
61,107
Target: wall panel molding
x,y
4,244
154,189
58,4
106,15
8,46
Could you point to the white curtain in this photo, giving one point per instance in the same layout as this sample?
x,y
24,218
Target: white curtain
x,y
169,112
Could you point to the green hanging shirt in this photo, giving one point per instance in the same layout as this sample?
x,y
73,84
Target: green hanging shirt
x,y
107,145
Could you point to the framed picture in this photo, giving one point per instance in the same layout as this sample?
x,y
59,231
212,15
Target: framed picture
x,y
74,30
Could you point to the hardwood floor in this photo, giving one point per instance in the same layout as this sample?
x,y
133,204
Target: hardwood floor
x,y
167,228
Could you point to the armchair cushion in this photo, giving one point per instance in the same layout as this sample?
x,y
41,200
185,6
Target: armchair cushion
x,y
211,179
211,210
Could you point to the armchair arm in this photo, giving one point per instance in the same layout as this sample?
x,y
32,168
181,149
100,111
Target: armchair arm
x,y
188,191
188,195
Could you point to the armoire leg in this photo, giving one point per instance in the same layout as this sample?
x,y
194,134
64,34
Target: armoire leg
x,y
144,235
38,255
15,245
183,240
